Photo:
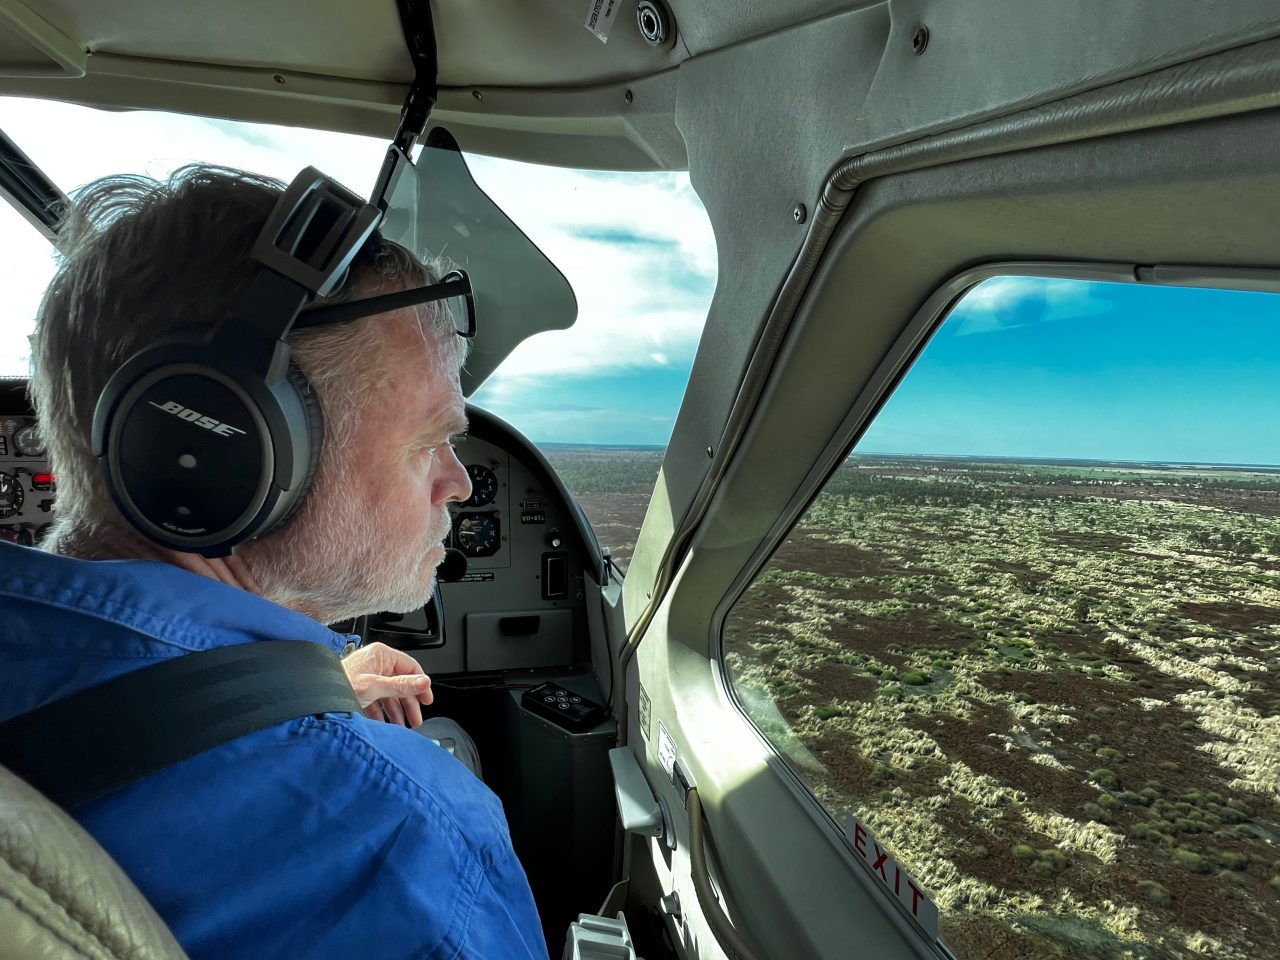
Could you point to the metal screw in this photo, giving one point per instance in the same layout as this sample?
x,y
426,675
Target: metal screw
x,y
477,94
710,453
799,214
278,78
920,40
628,96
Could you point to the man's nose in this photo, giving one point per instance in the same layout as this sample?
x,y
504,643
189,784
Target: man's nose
x,y
456,482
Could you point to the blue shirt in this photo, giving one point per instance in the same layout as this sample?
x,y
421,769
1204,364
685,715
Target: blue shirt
x,y
336,836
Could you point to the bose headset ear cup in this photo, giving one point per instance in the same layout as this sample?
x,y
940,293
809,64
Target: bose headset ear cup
x,y
315,430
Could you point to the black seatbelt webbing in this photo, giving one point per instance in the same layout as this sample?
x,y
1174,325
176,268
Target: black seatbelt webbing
x,y
99,740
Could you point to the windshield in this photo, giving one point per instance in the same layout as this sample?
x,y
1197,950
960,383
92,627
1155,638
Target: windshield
x,y
636,247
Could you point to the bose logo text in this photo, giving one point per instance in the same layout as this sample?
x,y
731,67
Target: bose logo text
x,y
199,419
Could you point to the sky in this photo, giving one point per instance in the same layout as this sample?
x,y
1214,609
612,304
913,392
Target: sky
x,y
637,248
1073,369
1022,366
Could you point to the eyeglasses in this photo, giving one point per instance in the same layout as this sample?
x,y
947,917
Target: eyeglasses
x,y
454,288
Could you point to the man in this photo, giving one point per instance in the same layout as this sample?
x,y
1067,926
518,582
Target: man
x,y
330,836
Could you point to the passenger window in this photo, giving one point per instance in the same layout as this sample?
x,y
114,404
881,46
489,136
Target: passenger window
x,y
1028,633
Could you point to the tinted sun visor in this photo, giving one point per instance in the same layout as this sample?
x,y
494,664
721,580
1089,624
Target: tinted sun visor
x,y
436,209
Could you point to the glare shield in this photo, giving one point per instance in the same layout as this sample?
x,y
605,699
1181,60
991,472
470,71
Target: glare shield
x,y
437,210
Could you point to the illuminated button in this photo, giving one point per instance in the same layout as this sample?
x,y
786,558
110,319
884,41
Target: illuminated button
x,y
575,699
187,460
563,706
549,699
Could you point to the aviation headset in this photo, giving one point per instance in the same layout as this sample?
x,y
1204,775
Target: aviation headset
x,y
211,438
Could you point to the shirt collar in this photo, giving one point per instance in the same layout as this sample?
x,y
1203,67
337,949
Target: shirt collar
x,y
164,603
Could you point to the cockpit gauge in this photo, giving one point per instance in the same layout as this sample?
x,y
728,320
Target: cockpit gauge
x,y
484,486
10,495
29,441
477,534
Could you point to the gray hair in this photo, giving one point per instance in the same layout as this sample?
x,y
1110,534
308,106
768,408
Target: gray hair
x,y
143,258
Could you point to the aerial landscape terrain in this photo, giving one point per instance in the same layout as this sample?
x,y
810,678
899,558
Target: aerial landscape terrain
x,y
1052,690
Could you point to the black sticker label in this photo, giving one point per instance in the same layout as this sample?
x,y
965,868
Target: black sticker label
x,y
645,711
477,577
533,511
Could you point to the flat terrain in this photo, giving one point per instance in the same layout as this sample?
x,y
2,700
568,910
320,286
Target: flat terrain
x,y
613,486
1052,690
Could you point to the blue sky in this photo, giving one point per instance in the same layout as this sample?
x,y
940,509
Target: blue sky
x,y
1029,367
1023,366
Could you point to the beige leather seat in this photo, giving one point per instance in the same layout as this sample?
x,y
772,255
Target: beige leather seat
x,y
61,895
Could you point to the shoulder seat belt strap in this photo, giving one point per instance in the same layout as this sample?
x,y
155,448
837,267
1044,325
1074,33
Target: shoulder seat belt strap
x,y
97,741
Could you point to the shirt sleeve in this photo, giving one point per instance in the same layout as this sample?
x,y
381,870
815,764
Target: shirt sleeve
x,y
504,921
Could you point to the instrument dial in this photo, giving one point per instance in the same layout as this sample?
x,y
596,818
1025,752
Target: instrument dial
x,y
29,441
484,486
10,495
477,534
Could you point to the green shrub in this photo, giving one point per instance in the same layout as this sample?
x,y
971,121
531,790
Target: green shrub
x,y
1155,892
1024,698
1050,862
1104,777
1024,851
881,771
1171,765
1108,753
827,712
915,678
1095,812
1190,860
1233,860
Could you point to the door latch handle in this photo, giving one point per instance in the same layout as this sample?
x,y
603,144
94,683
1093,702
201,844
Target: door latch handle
x,y
640,811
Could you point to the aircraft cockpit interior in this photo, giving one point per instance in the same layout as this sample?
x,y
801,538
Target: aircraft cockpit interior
x,y
831,449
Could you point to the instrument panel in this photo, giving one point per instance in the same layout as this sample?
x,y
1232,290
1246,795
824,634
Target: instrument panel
x,y
27,486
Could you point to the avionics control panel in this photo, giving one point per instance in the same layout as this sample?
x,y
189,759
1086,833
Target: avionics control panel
x,y
27,486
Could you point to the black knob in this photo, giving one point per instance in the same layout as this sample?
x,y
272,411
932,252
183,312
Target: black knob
x,y
453,567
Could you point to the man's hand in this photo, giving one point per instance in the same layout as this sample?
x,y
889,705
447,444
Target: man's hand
x,y
389,684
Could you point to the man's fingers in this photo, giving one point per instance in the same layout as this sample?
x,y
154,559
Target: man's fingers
x,y
395,713
370,687
412,712
374,712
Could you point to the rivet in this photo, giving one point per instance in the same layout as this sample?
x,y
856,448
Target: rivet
x,y
477,94
628,96
278,77
799,214
920,40
709,452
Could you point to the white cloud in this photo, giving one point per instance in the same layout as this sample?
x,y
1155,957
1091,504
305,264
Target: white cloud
x,y
1003,303
637,248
